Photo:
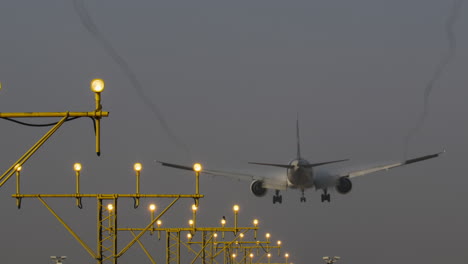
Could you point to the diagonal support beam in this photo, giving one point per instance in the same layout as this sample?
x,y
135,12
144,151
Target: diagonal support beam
x,y
144,249
146,229
85,246
7,174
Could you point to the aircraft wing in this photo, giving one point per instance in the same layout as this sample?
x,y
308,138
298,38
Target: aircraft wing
x,y
269,183
371,169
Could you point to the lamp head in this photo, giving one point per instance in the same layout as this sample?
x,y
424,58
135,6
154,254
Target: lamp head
x,y
77,167
110,207
197,167
137,167
18,167
235,208
152,207
97,85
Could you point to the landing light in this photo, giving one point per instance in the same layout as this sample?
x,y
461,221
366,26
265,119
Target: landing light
x,y
77,167
197,167
18,167
137,167
97,85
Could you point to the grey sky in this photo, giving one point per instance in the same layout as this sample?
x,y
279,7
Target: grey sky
x,y
230,78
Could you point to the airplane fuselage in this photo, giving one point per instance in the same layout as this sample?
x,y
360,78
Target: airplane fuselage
x,y
300,175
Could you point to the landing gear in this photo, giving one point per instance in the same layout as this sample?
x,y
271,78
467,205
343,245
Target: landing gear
x,y
325,196
303,199
277,198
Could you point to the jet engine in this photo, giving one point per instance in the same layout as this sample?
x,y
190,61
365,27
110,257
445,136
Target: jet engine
x,y
344,185
257,188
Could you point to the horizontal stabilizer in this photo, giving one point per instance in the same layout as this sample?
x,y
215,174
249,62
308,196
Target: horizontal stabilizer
x,y
324,163
423,158
273,164
175,166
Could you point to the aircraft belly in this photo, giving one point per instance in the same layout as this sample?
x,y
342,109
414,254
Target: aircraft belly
x,y
301,179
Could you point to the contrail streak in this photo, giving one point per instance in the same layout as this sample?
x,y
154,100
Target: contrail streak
x,y
439,70
91,27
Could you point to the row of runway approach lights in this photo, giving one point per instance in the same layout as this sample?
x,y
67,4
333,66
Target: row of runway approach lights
x,y
237,247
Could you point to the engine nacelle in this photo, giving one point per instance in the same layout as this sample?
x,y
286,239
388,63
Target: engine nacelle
x,y
344,185
257,188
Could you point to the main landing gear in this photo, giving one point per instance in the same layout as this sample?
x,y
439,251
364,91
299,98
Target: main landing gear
x,y
325,196
303,199
277,198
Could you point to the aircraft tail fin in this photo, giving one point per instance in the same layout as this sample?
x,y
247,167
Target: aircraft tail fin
x,y
298,143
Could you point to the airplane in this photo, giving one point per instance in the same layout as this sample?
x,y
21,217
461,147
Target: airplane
x,y
301,174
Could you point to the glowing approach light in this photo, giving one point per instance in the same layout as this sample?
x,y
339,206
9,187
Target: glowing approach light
x,y
77,167
137,167
18,167
197,167
97,85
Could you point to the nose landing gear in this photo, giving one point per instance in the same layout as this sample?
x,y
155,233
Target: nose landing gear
x,y
325,196
277,198
303,199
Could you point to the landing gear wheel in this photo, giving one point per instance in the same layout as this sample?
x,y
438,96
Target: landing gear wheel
x,y
303,199
277,197
326,197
